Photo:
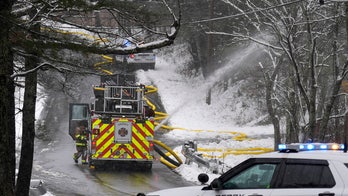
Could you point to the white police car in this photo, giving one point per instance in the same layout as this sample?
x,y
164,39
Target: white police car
x,y
297,169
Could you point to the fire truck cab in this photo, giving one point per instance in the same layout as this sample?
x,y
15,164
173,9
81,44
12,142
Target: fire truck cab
x,y
119,132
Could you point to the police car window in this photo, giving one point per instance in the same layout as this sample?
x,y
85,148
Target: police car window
x,y
257,176
307,176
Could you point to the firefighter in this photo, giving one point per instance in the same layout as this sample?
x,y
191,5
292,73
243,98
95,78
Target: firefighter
x,y
81,137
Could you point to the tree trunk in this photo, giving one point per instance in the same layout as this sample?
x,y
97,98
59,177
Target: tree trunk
x,y
7,116
28,133
210,51
270,82
337,84
271,111
312,82
292,119
346,8
199,47
208,97
28,121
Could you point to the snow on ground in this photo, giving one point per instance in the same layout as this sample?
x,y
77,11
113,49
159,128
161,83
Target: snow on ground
x,y
184,99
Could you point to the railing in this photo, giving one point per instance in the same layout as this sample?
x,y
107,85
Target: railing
x,y
119,100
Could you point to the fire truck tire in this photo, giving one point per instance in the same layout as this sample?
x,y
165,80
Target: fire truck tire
x,y
166,157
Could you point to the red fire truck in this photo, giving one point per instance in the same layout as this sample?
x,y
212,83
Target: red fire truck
x,y
120,133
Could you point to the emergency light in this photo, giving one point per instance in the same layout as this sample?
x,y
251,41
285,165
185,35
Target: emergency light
x,y
310,146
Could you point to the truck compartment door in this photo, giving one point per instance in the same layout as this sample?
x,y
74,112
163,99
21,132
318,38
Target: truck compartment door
x,y
78,113
123,132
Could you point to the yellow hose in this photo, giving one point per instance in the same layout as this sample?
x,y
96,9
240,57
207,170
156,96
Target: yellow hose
x,y
165,162
168,149
150,89
229,151
108,61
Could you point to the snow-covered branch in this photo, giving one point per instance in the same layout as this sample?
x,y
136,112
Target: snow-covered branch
x,y
246,38
248,12
41,66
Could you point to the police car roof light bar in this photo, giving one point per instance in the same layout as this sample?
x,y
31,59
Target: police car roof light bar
x,y
310,146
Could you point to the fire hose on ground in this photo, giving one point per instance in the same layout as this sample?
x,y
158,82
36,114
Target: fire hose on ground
x,y
165,159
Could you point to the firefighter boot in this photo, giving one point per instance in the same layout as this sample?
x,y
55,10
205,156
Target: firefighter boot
x,y
75,158
84,162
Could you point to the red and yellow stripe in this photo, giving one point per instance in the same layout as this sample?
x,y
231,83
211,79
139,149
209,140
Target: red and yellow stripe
x,y
138,148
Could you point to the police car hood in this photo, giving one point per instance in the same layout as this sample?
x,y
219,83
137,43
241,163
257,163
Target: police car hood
x,y
182,191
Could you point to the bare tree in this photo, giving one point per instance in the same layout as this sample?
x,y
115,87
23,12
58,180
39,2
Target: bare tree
x,y
300,32
28,117
270,81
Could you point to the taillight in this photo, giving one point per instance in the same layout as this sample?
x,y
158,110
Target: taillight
x,y
131,56
151,146
93,147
